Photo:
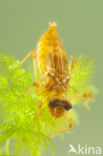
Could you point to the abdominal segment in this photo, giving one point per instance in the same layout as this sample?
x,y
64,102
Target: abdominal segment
x,y
52,59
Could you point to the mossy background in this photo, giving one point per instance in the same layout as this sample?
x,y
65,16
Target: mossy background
x,y
80,26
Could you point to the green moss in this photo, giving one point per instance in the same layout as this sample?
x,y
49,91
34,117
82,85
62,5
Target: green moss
x,y
81,81
18,133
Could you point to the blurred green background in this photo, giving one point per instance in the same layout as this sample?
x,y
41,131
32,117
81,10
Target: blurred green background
x,y
80,24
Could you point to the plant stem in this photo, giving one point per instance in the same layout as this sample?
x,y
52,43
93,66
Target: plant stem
x,y
6,135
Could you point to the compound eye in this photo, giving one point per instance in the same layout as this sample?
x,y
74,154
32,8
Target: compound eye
x,y
51,104
67,106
